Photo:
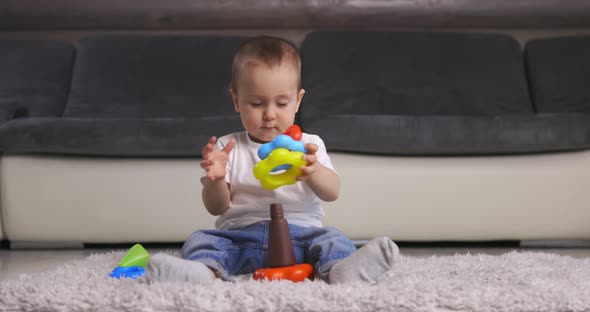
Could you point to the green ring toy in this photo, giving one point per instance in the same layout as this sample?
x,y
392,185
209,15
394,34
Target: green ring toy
x,y
278,157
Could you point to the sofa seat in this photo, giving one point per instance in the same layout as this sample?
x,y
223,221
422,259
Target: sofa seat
x,y
454,135
140,137
34,81
372,134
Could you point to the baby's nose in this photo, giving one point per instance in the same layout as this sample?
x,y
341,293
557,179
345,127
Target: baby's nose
x,y
269,114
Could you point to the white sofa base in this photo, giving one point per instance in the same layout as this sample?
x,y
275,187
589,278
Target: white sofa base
x,y
532,197
105,200
2,236
101,199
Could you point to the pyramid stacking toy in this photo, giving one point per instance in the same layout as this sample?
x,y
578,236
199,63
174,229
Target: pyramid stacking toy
x,y
133,263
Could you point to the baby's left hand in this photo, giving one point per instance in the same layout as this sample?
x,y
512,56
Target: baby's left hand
x,y
308,170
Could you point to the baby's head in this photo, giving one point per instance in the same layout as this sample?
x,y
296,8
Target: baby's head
x,y
266,86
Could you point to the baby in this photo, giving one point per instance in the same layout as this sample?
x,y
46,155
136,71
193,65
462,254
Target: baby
x,y
266,91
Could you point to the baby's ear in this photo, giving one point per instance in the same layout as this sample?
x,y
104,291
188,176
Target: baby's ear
x,y
234,97
300,94
300,97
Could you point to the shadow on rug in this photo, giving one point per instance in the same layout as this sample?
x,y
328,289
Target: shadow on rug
x,y
516,281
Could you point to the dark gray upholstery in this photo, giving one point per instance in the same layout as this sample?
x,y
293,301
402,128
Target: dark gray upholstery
x,y
138,96
412,73
426,94
140,137
34,76
152,77
559,71
455,135
402,93
8,108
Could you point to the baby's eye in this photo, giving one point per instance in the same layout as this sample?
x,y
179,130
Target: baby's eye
x,y
282,103
255,103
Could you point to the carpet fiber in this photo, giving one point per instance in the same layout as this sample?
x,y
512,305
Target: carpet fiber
x,y
515,281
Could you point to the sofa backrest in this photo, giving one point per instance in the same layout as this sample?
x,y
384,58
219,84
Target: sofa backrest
x,y
559,72
34,76
413,73
427,93
393,93
134,76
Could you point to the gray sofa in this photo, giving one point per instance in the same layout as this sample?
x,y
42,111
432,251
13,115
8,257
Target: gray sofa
x,y
436,135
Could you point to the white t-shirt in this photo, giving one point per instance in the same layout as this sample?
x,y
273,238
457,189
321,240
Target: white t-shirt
x,y
250,202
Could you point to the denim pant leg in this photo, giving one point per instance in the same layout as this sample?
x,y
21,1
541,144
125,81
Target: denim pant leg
x,y
325,247
229,252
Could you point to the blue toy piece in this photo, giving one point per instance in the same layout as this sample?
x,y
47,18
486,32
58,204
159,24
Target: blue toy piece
x,y
133,263
128,272
283,141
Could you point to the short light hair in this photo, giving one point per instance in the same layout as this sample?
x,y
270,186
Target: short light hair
x,y
272,51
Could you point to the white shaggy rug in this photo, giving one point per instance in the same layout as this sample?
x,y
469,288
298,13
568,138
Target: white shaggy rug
x,y
516,281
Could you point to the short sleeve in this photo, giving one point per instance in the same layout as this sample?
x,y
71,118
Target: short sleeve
x,y
322,153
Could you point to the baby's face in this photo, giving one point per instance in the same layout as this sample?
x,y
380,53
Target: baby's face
x,y
267,99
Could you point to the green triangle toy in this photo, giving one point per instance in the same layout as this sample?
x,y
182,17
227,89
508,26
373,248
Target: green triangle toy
x,y
136,256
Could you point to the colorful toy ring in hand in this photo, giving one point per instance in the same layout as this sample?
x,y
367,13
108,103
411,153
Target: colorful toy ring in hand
x,y
278,158
284,141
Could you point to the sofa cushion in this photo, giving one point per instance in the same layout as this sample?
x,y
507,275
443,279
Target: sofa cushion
x,y
425,93
559,71
138,95
35,76
412,73
114,136
455,135
142,76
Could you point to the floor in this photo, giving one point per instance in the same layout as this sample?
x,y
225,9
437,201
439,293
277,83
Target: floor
x,y
14,262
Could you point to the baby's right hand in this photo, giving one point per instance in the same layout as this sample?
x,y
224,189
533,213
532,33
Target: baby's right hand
x,y
215,160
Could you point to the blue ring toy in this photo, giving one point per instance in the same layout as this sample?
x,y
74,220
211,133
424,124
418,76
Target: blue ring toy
x,y
283,141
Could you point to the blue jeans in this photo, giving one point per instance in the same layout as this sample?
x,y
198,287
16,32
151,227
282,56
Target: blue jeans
x,y
242,251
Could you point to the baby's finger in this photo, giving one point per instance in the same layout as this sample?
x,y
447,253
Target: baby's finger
x,y
209,147
206,163
305,173
211,143
230,145
310,159
311,148
210,176
307,170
